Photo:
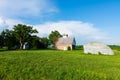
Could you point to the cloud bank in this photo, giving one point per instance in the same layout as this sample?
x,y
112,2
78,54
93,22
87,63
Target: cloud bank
x,y
82,31
25,8
13,12
8,23
78,29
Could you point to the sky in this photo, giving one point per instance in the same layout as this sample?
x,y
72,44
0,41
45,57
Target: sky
x,y
86,20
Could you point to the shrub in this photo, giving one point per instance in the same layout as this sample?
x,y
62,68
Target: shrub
x,y
99,53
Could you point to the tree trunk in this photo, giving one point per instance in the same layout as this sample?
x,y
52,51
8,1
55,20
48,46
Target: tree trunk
x,y
21,44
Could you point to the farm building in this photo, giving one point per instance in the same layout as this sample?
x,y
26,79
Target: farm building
x,y
97,48
26,45
65,43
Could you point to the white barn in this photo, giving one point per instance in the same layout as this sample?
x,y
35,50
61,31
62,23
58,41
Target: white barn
x,y
97,48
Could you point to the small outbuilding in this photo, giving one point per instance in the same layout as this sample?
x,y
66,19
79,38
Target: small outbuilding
x,y
26,45
65,43
97,48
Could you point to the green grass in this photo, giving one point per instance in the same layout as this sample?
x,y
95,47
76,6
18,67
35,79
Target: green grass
x,y
58,65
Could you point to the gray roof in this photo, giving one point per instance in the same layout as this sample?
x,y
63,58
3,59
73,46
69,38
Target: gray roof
x,y
65,40
97,47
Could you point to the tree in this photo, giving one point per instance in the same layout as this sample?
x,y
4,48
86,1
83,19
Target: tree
x,y
23,33
9,39
44,42
53,36
39,43
2,39
35,41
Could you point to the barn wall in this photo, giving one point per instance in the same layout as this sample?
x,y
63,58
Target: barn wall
x,y
63,46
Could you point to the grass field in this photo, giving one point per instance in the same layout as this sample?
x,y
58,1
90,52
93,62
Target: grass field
x,y
58,65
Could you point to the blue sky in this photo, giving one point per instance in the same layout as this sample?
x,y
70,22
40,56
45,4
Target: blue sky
x,y
86,20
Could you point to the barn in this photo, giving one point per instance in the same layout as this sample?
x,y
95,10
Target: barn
x,y
97,48
65,43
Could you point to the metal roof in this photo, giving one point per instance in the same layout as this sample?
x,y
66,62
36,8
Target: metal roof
x,y
65,40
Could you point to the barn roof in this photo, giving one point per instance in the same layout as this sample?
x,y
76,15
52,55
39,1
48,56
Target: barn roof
x,y
96,44
67,40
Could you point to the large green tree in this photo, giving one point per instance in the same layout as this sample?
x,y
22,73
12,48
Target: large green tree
x,y
9,39
23,33
1,41
53,36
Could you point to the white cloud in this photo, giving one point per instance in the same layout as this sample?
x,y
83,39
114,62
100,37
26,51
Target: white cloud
x,y
3,24
78,29
8,23
12,22
13,12
25,8
82,31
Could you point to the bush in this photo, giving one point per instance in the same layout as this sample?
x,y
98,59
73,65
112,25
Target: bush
x,y
99,53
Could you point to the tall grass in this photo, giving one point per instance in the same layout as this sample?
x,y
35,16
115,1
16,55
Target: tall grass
x,y
58,65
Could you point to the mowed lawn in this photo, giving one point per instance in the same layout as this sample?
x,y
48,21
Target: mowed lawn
x,y
58,65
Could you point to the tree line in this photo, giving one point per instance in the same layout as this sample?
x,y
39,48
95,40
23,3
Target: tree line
x,y
16,38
